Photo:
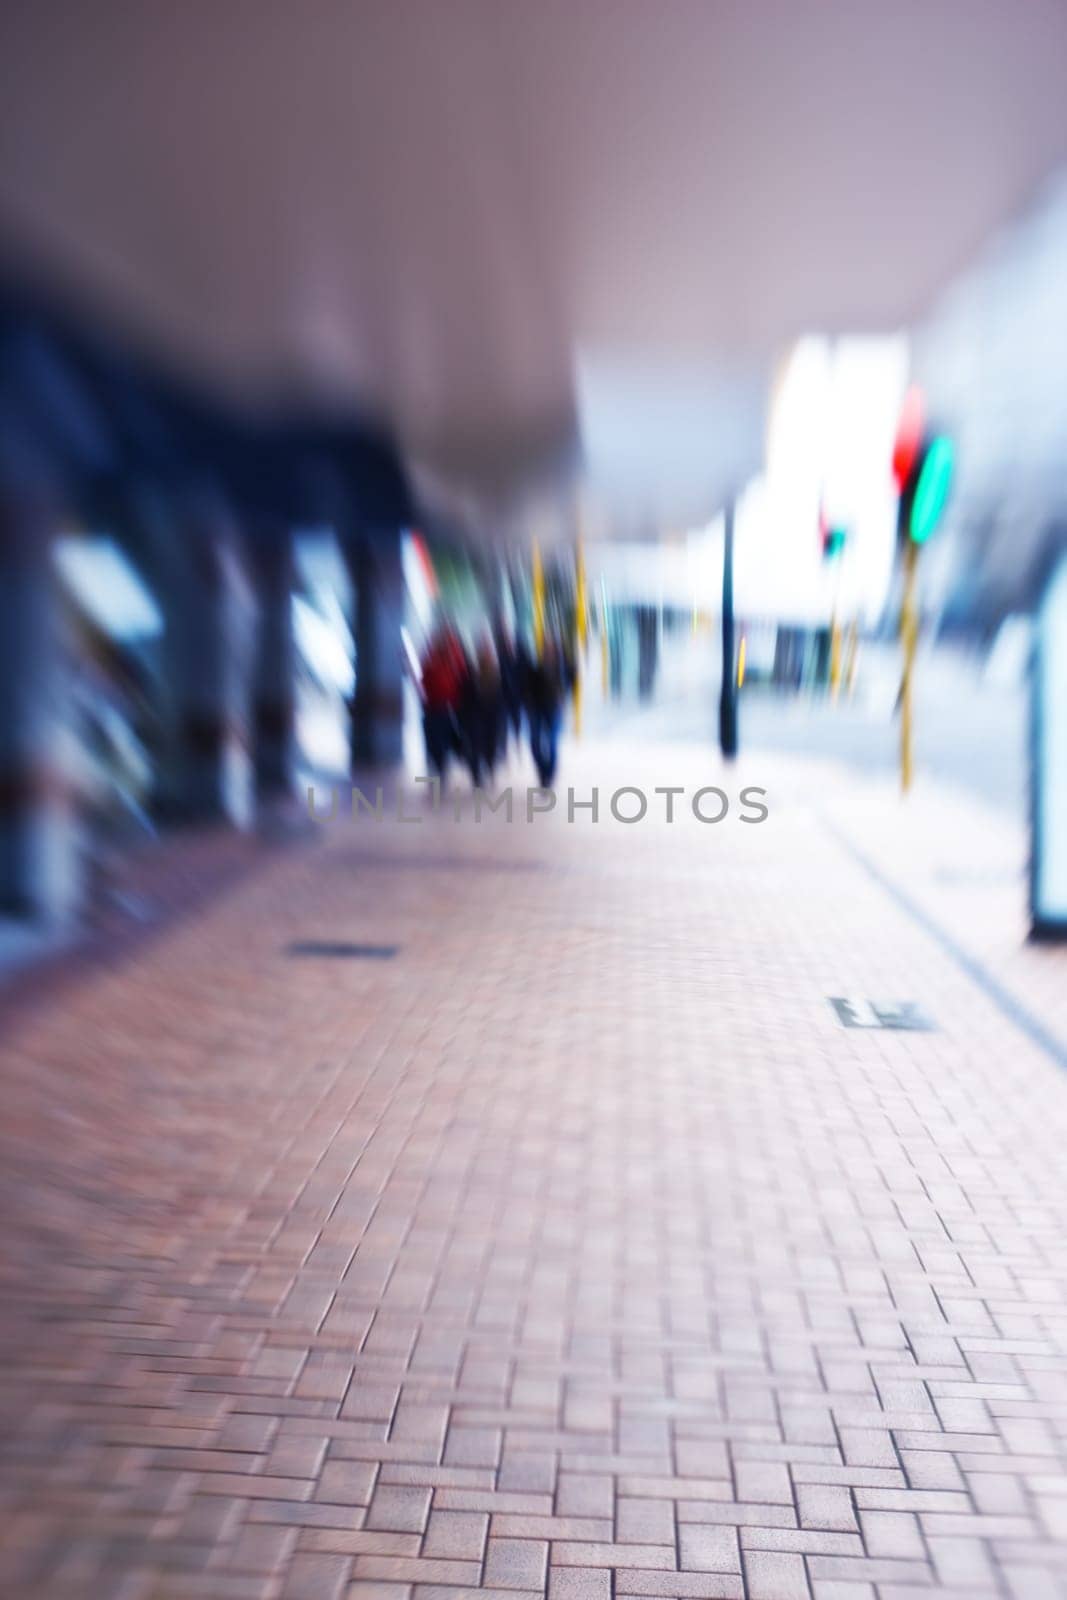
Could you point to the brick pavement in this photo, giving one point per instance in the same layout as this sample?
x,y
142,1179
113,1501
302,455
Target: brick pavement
x,y
578,1249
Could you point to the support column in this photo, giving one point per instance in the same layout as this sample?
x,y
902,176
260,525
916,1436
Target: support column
x,y
209,611
728,693
274,689
40,859
378,705
647,650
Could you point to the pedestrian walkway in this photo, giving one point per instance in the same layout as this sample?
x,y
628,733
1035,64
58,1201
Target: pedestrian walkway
x,y
472,1206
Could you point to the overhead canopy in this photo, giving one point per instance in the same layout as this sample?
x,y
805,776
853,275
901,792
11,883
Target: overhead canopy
x,y
450,209
991,360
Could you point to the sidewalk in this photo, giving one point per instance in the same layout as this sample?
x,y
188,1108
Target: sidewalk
x,y
576,1245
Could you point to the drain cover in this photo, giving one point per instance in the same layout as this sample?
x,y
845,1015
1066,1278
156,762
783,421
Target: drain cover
x,y
898,1015
341,950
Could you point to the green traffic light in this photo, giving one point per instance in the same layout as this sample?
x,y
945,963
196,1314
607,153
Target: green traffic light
x,y
931,490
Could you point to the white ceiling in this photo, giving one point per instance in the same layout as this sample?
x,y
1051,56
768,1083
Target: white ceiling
x,y
452,209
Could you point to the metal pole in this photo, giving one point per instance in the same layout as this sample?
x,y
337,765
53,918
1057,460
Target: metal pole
x,y
581,632
835,633
909,632
538,586
853,655
728,695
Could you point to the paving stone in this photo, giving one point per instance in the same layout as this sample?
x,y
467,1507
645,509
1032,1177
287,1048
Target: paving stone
x,y
702,1549
775,1577
317,1577
585,1494
827,1506
767,1482
579,1583
347,1482
397,1508
643,1522
456,1535
516,1563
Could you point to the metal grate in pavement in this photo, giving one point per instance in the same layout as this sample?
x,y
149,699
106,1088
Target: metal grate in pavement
x,y
898,1015
341,949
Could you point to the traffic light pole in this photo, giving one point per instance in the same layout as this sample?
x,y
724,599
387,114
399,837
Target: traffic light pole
x,y
537,583
581,623
728,695
909,633
923,472
852,655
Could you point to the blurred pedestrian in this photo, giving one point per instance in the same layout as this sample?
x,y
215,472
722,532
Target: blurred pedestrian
x,y
444,675
480,713
513,670
490,704
546,685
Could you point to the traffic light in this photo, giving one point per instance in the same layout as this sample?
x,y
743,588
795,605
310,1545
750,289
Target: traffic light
x,y
922,467
909,437
833,542
925,490
933,479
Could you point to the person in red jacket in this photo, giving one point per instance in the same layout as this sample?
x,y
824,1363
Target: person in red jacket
x,y
444,676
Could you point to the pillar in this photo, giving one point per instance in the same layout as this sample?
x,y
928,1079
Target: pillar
x,y
728,692
274,665
647,650
1048,765
40,856
203,589
378,705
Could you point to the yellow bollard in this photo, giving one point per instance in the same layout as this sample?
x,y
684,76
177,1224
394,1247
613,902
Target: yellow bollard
x,y
852,657
538,585
581,634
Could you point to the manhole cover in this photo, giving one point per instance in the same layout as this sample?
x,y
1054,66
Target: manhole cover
x,y
897,1015
340,949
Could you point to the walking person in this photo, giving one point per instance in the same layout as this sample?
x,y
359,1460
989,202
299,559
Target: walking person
x,y
479,713
444,674
513,672
545,688
492,719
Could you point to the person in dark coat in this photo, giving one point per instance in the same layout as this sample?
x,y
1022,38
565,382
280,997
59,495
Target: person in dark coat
x,y
546,685
444,674
482,714
513,669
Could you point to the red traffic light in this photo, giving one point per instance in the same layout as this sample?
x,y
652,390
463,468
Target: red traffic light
x,y
909,437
